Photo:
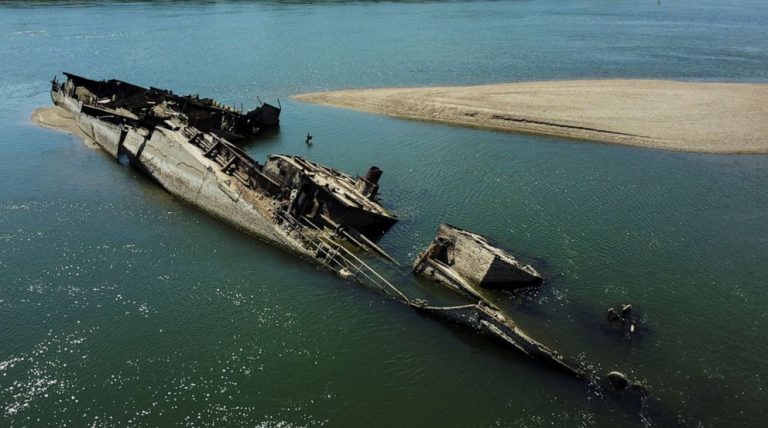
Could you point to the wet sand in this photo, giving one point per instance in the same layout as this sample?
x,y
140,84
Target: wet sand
x,y
59,119
681,116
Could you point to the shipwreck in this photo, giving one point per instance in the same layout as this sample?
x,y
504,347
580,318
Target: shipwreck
x,y
468,263
153,105
318,213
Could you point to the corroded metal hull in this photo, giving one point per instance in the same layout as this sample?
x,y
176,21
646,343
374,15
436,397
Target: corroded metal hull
x,y
156,105
183,170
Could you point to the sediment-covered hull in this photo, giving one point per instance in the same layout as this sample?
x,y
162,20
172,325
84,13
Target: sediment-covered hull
x,y
183,170
166,157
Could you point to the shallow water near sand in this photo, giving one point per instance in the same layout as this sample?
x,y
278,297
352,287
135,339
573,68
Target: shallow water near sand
x,y
121,306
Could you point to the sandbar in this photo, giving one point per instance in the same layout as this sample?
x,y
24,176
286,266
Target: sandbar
x,y
60,119
672,115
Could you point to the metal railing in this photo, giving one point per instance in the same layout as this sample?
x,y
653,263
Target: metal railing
x,y
333,255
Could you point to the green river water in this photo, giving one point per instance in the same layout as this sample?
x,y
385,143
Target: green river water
x,y
121,306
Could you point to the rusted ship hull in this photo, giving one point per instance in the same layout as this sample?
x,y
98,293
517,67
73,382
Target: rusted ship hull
x,y
181,168
155,105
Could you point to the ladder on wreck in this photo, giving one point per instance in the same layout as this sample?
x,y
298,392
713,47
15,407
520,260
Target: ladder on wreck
x,y
336,257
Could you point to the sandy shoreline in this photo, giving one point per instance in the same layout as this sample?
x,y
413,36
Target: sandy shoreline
x,y
681,116
59,119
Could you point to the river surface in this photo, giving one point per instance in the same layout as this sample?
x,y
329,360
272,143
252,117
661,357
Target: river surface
x,y
119,305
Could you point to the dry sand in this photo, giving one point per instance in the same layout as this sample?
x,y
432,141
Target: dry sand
x,y
59,119
682,116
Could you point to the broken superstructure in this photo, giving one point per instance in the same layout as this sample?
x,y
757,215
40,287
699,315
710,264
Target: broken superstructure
x,y
153,105
329,197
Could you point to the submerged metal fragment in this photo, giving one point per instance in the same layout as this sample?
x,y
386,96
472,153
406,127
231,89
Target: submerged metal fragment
x,y
493,323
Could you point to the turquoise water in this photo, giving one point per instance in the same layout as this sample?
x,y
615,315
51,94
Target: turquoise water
x,y
121,306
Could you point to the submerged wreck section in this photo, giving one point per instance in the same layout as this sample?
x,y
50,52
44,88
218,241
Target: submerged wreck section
x,y
154,106
491,322
468,263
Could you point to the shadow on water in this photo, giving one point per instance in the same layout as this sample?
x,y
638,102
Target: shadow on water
x,y
264,136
